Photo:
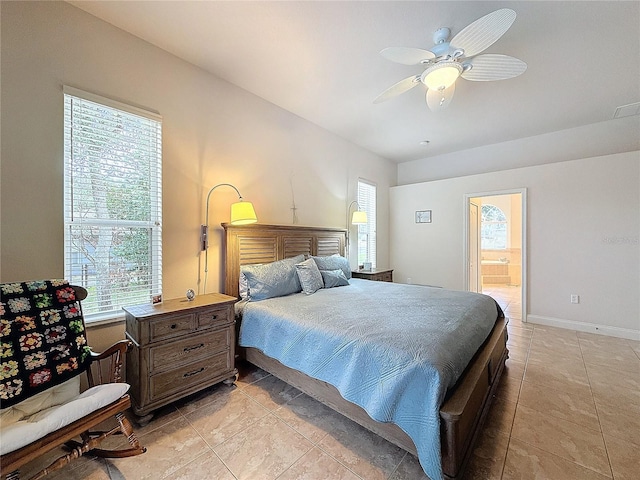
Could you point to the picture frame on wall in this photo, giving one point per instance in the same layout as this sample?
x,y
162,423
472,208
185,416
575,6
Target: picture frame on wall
x,y
423,216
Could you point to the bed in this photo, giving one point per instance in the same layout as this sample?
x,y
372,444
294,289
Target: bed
x,y
463,404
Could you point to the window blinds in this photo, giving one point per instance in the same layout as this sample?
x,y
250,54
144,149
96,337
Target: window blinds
x,y
113,202
367,232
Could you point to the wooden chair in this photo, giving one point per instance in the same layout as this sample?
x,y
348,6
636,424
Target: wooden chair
x,y
105,369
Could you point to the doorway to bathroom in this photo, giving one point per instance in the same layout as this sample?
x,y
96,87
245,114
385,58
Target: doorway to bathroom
x,y
495,233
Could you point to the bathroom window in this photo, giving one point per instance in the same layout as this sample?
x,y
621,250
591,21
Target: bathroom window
x,y
494,228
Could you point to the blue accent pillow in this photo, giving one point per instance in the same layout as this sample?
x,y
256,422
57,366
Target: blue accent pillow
x,y
274,279
334,262
334,278
309,276
243,286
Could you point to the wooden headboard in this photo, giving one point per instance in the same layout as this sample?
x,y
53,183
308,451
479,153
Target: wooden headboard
x,y
257,243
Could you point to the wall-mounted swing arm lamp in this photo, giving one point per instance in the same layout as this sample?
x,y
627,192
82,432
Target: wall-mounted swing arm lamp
x,y
242,213
358,218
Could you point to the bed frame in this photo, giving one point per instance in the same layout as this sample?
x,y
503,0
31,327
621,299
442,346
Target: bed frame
x,y
466,405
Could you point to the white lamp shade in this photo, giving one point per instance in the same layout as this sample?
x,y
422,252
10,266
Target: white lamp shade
x,y
441,75
242,213
359,218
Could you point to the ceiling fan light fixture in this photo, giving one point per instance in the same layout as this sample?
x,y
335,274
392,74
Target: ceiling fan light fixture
x,y
441,75
460,56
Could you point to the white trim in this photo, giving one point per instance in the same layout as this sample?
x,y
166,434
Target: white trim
x,y
523,252
101,319
586,327
92,97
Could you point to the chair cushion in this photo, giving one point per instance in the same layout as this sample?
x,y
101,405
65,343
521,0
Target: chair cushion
x,y
29,429
57,395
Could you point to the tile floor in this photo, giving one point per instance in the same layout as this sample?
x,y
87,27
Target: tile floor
x,y
568,407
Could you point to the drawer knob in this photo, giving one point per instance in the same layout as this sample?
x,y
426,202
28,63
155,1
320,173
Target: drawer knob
x,y
213,317
173,326
193,347
195,372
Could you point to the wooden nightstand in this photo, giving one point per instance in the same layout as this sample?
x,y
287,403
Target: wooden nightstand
x,y
375,274
179,347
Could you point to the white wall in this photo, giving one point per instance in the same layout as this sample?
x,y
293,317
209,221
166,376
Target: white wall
x,y
594,140
583,238
213,132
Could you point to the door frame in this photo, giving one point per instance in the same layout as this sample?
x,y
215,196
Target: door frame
x,y
465,244
474,251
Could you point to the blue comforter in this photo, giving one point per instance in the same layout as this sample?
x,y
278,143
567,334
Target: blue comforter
x,y
392,349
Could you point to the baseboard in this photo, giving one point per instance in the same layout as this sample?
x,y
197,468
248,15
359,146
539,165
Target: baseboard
x,y
585,327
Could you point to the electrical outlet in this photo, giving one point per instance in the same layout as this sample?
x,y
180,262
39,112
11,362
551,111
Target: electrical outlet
x,y
575,298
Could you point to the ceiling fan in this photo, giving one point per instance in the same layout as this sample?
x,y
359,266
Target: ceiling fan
x,y
449,59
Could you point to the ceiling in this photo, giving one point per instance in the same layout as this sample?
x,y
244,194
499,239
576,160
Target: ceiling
x,y
320,60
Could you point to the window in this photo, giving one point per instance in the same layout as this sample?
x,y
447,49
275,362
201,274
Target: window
x,y
113,202
494,228
367,232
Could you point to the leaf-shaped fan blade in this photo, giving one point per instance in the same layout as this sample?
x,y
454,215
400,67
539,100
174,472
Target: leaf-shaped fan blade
x,y
440,99
400,87
491,66
484,32
407,55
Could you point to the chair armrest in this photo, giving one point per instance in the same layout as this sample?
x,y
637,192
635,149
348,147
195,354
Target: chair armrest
x,y
119,348
106,367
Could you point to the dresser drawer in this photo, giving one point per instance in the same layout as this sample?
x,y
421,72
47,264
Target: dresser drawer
x,y
385,277
213,316
170,326
191,349
164,384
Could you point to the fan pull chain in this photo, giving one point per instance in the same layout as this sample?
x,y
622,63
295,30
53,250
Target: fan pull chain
x,y
442,99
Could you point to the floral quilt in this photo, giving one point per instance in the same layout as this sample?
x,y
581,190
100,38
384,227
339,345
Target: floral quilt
x,y
42,338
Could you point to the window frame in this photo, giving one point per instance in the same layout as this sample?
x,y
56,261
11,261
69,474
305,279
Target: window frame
x,y
497,222
148,123
367,233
